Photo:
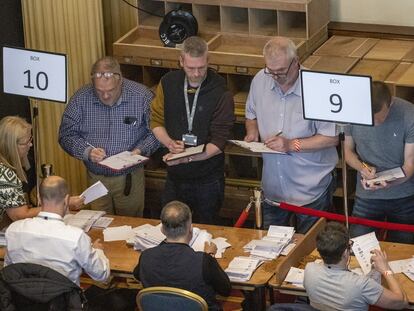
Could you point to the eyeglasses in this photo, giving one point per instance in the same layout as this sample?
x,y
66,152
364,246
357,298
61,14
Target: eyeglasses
x,y
106,75
276,74
26,143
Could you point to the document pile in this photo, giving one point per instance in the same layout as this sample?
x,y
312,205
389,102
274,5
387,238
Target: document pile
x,y
295,276
273,244
148,236
84,219
241,268
405,266
362,247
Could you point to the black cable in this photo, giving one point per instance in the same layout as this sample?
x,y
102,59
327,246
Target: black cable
x,y
139,9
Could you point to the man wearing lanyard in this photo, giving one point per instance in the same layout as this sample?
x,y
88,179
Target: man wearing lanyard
x,y
106,117
192,106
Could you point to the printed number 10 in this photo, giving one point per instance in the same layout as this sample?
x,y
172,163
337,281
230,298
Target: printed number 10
x,y
336,100
42,81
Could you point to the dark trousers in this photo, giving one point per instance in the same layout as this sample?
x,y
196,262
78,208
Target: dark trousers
x,y
204,197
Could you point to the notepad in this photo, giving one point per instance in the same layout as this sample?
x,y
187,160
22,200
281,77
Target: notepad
x,y
123,160
388,175
255,146
186,153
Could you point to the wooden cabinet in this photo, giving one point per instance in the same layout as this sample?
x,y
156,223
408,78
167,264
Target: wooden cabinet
x,y
236,32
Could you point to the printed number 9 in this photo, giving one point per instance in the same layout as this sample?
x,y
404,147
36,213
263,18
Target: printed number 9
x,y
336,100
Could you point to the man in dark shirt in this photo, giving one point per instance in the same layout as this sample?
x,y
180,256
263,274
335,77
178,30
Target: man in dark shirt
x,y
174,263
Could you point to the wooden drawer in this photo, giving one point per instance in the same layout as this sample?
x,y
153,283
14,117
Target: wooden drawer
x,y
328,63
346,46
378,69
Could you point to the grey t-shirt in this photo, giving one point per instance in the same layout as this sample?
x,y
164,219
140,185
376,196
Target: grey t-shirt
x,y
338,289
382,146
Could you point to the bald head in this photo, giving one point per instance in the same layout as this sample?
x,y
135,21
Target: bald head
x,y
176,220
53,192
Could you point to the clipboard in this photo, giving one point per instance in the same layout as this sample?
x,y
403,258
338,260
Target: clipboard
x,y
187,152
123,160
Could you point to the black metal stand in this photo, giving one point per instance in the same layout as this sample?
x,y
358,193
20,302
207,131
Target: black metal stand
x,y
344,175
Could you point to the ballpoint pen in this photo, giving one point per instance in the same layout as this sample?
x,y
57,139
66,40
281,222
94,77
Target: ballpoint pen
x,y
366,166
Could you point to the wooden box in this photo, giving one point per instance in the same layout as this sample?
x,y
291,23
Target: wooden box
x,y
346,46
398,50
329,63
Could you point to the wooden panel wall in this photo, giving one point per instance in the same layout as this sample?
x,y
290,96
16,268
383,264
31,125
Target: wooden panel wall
x,y
73,27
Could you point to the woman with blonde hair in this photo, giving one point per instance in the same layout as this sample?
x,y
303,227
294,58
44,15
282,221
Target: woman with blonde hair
x,y
15,143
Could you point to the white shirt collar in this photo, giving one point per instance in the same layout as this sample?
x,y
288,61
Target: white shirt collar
x,y
51,216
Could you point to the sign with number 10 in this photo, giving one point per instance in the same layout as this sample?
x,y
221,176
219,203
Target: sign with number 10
x,y
35,74
336,97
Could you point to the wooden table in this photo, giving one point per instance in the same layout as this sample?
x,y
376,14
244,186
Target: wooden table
x,y
395,251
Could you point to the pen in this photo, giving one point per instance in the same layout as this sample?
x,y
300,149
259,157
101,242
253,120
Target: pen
x,y
366,166
90,145
279,133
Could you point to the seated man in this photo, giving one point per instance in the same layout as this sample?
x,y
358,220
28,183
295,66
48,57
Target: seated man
x,y
331,286
174,263
47,241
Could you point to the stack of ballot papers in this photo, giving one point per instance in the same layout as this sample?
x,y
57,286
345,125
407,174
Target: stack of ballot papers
x,y
405,266
119,233
295,276
277,240
148,236
241,268
362,247
83,219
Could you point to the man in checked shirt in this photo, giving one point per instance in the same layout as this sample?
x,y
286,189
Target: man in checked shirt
x,y
106,117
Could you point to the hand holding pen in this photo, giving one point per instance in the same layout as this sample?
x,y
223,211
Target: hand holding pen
x,y
277,142
367,171
96,154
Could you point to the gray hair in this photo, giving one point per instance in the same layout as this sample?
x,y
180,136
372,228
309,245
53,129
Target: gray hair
x,y
176,219
108,63
279,45
194,46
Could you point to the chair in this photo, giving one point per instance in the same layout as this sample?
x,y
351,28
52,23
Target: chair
x,y
27,286
161,298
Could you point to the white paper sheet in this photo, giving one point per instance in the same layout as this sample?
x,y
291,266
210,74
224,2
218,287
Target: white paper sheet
x,y
362,247
255,146
102,222
295,276
94,192
118,233
83,219
388,175
123,160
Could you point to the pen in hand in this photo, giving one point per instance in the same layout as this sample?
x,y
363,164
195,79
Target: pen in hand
x,y
90,145
279,133
366,166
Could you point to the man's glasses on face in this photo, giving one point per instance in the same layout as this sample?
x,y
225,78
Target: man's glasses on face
x,y
276,74
106,75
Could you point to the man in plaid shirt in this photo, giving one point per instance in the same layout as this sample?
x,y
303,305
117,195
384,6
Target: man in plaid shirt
x,y
106,117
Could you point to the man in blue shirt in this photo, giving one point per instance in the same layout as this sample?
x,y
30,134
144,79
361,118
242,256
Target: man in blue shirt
x,y
106,117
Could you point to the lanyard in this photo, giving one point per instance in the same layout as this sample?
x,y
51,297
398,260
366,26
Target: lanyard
x,y
49,218
190,114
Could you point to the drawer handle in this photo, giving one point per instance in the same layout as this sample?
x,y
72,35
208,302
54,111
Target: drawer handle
x,y
156,62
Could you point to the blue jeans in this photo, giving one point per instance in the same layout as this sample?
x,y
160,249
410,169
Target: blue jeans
x,y
204,197
273,215
393,210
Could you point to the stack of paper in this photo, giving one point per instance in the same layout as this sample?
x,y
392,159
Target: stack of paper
x,y
362,247
84,219
148,236
241,268
272,245
120,233
295,276
405,266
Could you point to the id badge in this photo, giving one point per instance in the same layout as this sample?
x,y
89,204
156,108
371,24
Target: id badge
x,y
190,139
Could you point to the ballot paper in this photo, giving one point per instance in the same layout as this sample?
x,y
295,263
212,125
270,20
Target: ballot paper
x,y
83,219
241,268
254,146
362,247
102,222
388,175
295,276
117,233
267,250
403,265
221,244
187,152
94,192
123,160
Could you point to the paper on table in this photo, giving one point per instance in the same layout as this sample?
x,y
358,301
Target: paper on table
x,y
255,146
399,266
123,160
388,175
295,276
94,192
187,152
362,247
118,233
102,222
83,219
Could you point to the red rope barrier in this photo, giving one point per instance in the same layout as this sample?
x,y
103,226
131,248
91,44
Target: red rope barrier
x,y
352,220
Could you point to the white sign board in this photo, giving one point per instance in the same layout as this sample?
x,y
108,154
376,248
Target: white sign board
x,y
35,74
336,97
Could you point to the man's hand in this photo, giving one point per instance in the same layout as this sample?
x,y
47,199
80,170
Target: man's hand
x,y
175,162
375,186
368,172
136,151
278,143
76,203
97,155
176,146
379,261
98,244
210,248
252,137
